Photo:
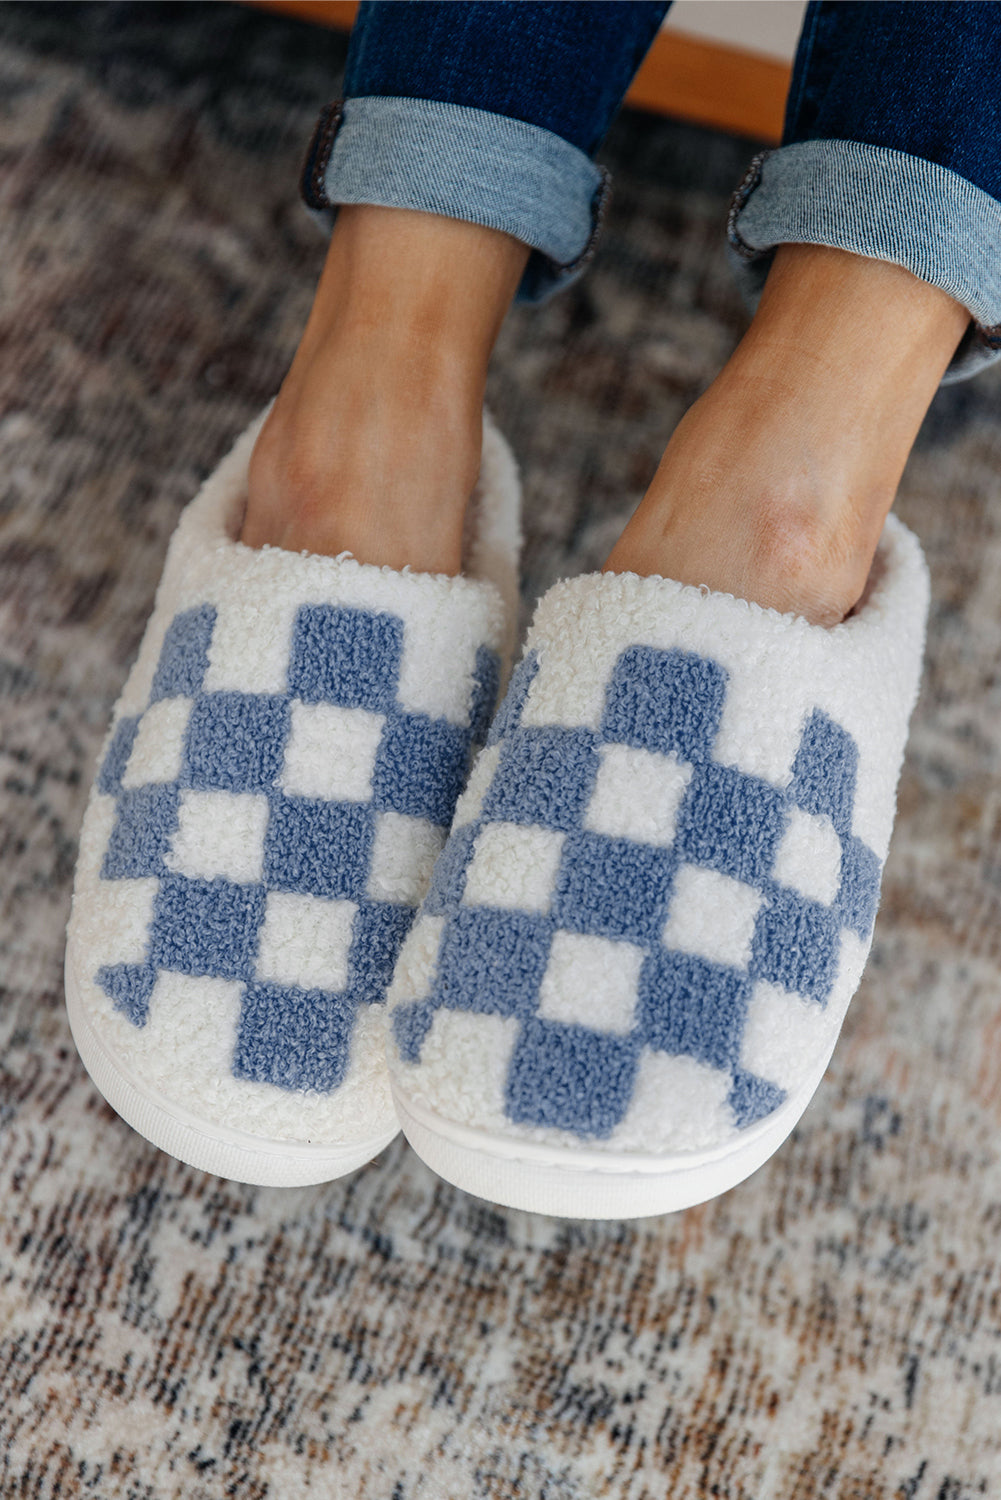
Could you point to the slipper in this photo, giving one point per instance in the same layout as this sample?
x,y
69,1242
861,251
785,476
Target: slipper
x,y
280,774
657,898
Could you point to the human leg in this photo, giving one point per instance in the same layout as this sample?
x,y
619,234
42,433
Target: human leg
x,y
776,483
874,225
385,395
462,168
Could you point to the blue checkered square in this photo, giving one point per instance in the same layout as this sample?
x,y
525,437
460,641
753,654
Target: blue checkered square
x,y
492,962
752,1098
109,778
129,986
691,1007
184,655
236,742
346,656
376,939
206,927
665,701
146,818
613,888
796,944
823,773
293,1038
411,1024
731,822
545,777
570,1078
858,897
420,767
318,848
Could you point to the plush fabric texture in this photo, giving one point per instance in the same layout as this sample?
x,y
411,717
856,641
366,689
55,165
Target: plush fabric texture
x,y
828,1328
663,876
284,762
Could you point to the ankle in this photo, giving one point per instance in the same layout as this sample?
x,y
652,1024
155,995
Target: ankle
x,y
752,500
373,444
777,482
385,474
808,558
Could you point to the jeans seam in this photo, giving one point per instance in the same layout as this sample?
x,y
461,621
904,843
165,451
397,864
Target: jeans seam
x,y
312,179
313,191
745,188
599,207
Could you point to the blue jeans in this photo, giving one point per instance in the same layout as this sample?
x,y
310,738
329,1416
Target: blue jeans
x,y
492,111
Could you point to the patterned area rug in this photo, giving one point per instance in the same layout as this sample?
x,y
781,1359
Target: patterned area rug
x,y
832,1328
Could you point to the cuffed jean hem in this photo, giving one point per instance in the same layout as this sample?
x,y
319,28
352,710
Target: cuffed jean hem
x,y
887,205
465,164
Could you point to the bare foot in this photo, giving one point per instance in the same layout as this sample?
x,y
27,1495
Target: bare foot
x,y
373,444
776,484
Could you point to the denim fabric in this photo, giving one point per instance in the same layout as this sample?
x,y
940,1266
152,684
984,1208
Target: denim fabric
x,y
445,158
488,112
562,65
890,149
491,112
919,78
884,204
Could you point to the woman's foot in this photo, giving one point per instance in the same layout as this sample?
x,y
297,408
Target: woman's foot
x,y
775,485
373,444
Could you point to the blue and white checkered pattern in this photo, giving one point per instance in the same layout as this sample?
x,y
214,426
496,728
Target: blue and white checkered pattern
x,y
276,837
694,889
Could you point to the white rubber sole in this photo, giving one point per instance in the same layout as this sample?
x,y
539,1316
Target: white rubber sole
x,y
211,1148
589,1184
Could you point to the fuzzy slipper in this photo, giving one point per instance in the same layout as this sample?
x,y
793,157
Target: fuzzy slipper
x,y
657,898
280,774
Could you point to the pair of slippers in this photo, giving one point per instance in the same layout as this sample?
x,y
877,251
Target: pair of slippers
x,y
591,948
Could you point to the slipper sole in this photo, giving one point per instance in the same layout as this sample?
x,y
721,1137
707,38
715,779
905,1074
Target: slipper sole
x,y
201,1143
582,1184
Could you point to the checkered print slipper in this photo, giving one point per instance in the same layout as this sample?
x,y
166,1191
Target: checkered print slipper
x,y
280,774
629,973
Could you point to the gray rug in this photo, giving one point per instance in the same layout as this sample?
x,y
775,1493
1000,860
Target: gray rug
x,y
832,1328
